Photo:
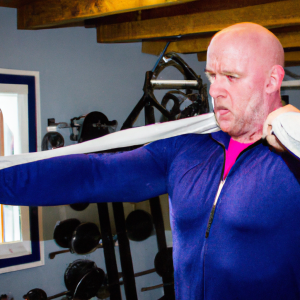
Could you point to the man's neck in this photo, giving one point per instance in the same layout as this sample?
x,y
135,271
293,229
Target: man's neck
x,y
248,138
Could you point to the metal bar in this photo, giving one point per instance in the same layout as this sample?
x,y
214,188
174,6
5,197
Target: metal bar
x,y
290,83
125,254
145,289
149,115
134,114
174,84
158,223
144,272
168,280
141,274
53,254
58,295
158,218
160,56
109,251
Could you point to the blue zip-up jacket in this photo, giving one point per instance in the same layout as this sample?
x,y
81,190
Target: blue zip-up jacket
x,y
252,250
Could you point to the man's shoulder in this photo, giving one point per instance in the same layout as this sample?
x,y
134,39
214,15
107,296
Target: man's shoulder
x,y
179,143
187,139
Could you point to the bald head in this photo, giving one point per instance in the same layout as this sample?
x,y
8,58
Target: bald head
x,y
254,39
245,68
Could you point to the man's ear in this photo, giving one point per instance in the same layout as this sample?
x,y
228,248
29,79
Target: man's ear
x,y
275,79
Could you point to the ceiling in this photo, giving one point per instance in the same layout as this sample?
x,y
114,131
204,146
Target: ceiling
x,y
189,24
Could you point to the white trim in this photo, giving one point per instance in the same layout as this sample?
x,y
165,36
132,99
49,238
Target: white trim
x,y
39,263
23,89
14,88
36,74
19,248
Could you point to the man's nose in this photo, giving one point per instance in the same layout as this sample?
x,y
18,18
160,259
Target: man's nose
x,y
217,87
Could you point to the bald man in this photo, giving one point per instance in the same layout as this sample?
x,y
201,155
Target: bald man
x,y
234,200
251,58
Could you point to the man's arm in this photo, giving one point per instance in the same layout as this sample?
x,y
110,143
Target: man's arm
x,y
130,176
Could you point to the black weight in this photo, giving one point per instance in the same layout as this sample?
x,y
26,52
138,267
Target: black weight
x,y
85,238
52,140
79,206
63,232
95,125
36,294
90,284
163,262
75,272
139,225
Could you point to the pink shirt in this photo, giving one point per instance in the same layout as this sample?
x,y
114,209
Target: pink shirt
x,y
234,149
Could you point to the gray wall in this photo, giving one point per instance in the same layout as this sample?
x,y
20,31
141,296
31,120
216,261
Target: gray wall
x,y
78,76
293,93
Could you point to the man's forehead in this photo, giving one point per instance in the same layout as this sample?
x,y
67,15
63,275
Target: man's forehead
x,y
229,52
227,60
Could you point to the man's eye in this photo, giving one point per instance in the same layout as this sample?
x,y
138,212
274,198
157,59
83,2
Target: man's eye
x,y
231,77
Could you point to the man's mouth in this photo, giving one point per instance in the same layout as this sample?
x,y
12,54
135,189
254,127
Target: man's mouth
x,y
222,110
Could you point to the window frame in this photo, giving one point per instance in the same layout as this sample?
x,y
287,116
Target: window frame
x,y
31,79
17,248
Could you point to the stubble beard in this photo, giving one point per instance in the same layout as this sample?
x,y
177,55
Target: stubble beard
x,y
244,126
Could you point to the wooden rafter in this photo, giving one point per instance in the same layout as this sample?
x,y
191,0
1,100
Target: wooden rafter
x,y
288,36
292,58
156,21
192,45
43,14
13,3
271,15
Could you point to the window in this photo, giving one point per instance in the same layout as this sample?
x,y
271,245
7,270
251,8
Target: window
x,y
15,231
20,234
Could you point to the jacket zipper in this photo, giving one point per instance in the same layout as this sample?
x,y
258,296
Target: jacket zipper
x,y
212,212
221,184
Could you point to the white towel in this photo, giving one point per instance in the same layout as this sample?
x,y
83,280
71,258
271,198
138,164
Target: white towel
x,y
286,128
130,137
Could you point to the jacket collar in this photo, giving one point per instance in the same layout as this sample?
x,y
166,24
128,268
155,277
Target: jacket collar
x,y
221,137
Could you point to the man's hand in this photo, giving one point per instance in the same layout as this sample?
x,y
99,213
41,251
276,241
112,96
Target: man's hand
x,y
271,138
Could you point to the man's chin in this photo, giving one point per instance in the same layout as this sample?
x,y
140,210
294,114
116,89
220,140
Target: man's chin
x,y
225,125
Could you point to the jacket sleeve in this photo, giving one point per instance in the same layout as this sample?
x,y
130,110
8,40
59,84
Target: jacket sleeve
x,y
122,177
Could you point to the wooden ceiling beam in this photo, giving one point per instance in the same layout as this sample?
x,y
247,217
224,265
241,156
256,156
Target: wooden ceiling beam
x,y
13,3
176,10
42,14
193,45
270,15
288,36
292,58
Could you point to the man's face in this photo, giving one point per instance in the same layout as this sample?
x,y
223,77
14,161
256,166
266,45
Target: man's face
x,y
237,85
